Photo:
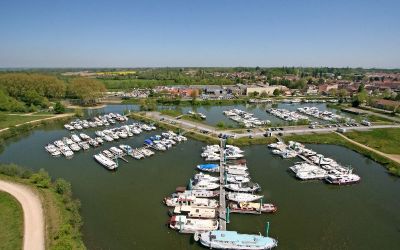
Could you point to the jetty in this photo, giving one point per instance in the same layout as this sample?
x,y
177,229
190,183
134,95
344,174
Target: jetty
x,y
222,201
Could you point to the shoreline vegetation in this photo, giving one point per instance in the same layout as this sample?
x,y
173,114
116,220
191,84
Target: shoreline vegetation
x,y
62,218
11,220
333,138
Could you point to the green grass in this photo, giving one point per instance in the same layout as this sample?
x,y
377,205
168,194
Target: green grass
x,y
333,138
11,221
7,120
171,112
384,140
245,141
62,218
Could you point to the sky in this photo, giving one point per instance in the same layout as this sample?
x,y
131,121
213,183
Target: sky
x,y
200,33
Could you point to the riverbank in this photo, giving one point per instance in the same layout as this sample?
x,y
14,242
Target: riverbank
x,y
333,138
62,220
11,221
17,121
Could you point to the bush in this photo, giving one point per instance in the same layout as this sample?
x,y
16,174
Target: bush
x,y
41,179
62,187
221,124
14,170
59,108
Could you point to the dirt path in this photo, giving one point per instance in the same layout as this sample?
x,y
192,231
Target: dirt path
x,y
33,214
39,120
395,158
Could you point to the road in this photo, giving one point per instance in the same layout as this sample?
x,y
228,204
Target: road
x,y
287,130
33,214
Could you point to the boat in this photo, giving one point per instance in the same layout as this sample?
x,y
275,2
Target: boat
x,y
116,151
75,138
50,148
84,136
190,200
243,187
84,145
243,197
205,177
126,148
195,212
203,185
108,154
137,154
67,152
237,179
182,192
219,239
316,174
208,167
105,161
343,179
189,225
75,147
252,207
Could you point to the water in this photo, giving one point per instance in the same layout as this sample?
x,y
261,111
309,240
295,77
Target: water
x,y
123,210
215,113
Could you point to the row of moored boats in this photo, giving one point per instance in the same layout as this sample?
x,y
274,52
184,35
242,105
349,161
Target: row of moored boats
x,y
287,115
314,166
98,121
108,158
247,119
195,210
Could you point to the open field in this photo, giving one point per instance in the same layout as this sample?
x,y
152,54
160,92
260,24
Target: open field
x,y
11,221
8,120
384,140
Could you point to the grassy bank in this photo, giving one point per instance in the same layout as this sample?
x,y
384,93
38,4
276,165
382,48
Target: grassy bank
x,y
332,138
7,120
62,218
245,141
11,221
384,140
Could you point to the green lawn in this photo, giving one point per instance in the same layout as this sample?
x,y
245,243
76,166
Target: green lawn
x,y
7,120
11,221
384,140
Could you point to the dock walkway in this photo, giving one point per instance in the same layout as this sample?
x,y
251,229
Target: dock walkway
x,y
222,201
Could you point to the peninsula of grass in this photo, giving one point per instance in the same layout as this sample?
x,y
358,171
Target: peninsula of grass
x,y
61,211
8,120
385,140
11,221
171,112
333,138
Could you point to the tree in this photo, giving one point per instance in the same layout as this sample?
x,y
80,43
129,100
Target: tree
x,y
276,92
41,179
59,108
194,94
253,94
87,90
361,88
263,94
62,187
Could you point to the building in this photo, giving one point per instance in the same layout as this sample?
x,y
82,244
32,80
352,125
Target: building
x,y
386,104
325,88
267,89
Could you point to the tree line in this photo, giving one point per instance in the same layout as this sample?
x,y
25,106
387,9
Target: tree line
x,y
22,92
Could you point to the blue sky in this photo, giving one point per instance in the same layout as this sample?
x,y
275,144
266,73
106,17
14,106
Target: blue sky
x,y
99,33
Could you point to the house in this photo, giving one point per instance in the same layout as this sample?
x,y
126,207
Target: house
x,y
325,88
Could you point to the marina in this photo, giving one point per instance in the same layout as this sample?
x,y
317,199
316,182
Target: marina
x,y
244,118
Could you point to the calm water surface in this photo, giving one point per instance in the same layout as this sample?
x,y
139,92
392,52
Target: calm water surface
x,y
123,210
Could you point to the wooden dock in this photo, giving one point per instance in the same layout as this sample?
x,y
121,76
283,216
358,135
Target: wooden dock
x,y
222,201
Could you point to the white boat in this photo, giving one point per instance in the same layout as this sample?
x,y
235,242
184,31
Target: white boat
x,y
317,174
343,179
75,147
108,154
243,197
84,145
237,179
196,193
105,161
192,201
67,152
116,151
204,185
75,138
195,212
243,187
205,177
234,241
189,225
84,136
50,148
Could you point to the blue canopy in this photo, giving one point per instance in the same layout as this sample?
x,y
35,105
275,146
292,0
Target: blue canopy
x,y
149,142
208,166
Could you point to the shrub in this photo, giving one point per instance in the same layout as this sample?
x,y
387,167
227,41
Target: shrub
x,y
41,179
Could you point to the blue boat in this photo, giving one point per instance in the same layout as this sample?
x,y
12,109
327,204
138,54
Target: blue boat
x,y
208,167
233,240
148,142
